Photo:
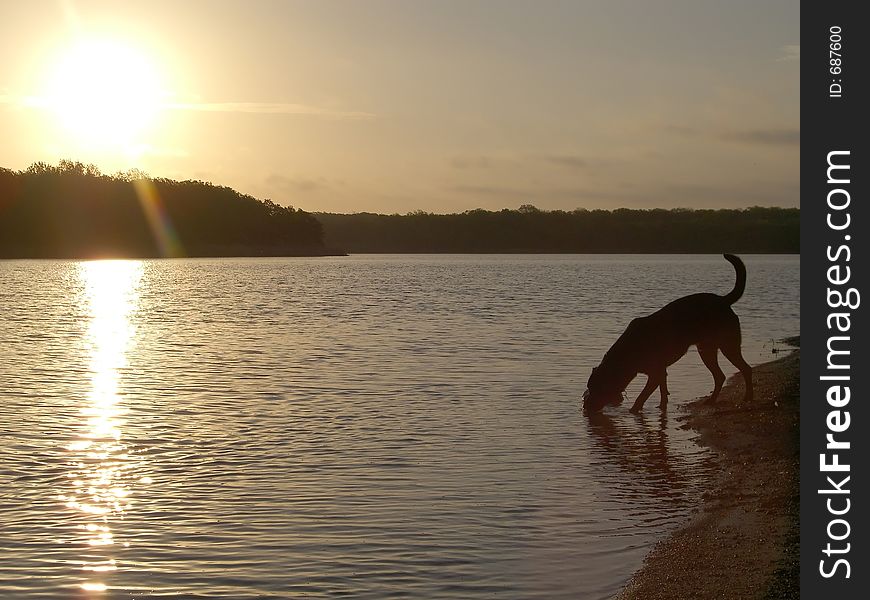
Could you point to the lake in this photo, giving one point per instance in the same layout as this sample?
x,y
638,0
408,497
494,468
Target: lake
x,y
367,426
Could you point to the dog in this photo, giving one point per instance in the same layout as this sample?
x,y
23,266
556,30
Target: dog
x,y
651,344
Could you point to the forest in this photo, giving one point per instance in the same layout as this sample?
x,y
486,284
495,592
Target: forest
x,y
71,210
528,229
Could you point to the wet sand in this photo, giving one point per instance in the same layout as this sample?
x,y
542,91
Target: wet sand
x,y
743,543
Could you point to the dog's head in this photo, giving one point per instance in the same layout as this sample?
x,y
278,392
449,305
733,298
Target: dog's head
x,y
602,389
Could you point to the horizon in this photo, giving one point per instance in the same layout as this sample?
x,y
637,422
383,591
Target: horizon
x,y
391,107
132,175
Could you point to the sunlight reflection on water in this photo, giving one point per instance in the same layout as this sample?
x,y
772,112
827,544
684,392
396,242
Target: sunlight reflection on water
x,y
101,468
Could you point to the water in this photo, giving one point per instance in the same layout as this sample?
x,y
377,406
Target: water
x,y
366,427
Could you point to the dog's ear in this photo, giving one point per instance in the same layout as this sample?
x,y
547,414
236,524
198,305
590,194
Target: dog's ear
x,y
594,369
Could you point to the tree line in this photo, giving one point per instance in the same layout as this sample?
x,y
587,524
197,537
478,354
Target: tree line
x,y
71,210
528,229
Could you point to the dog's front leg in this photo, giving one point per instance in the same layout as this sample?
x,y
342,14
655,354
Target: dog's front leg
x,y
651,384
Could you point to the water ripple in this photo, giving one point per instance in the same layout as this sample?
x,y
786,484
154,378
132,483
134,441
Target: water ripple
x,y
369,427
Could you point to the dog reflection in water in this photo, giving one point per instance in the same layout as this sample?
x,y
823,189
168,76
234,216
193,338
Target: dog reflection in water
x,y
641,449
651,344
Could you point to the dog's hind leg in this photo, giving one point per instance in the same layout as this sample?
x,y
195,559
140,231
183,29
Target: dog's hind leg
x,y
731,350
663,389
652,383
710,355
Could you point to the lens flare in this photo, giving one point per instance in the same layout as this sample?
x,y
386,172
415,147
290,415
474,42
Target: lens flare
x,y
161,226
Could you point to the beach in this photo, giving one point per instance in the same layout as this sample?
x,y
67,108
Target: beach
x,y
744,540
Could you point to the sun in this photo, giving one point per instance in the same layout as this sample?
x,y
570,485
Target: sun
x,y
104,94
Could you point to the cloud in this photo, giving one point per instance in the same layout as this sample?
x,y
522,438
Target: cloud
x,y
683,130
489,190
769,137
567,160
542,194
269,108
164,151
266,108
790,53
296,184
20,101
471,162
785,192
661,194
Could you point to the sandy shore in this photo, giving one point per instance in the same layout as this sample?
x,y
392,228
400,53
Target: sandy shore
x,y
744,542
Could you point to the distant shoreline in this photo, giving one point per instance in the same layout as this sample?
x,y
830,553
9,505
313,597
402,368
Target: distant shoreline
x,y
72,210
530,230
585,253
744,542
109,256
329,253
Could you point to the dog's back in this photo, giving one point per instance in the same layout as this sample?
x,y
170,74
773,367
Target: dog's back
x,y
697,318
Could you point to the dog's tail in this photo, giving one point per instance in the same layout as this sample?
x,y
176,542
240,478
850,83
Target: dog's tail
x,y
739,285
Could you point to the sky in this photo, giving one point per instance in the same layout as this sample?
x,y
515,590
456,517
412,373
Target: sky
x,y
397,106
